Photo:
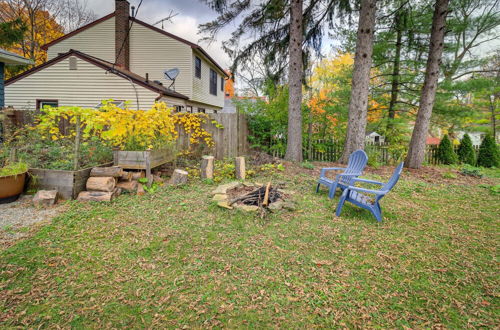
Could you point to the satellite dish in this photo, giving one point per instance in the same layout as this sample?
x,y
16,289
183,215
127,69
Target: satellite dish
x,y
171,75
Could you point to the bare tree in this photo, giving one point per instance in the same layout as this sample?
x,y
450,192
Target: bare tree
x,y
416,151
74,14
358,105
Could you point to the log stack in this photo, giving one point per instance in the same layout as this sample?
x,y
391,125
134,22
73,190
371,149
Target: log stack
x,y
102,185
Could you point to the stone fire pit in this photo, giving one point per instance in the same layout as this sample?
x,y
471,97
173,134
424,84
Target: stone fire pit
x,y
225,193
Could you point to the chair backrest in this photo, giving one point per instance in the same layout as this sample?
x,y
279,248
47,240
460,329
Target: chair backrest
x,y
394,178
357,162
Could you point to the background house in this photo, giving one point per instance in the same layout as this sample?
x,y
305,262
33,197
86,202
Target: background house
x,y
122,58
374,138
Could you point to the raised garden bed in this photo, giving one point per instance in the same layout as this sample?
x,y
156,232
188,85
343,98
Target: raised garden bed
x,y
142,160
68,183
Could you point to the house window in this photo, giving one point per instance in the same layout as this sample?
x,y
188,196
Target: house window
x,y
221,84
197,67
213,82
40,104
189,109
201,110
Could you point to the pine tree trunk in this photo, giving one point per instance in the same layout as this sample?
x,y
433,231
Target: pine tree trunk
x,y
395,74
358,105
294,142
416,152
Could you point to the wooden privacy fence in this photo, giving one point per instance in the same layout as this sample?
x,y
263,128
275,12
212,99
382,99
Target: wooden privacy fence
x,y
382,153
230,140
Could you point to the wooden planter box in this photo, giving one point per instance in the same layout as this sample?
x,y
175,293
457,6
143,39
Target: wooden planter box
x,y
68,183
142,160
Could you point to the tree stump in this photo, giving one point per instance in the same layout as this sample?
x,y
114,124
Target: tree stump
x,y
239,163
207,167
96,196
179,177
113,171
98,183
140,190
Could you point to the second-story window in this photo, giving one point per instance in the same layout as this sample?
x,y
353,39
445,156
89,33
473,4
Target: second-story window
x,y
213,82
221,84
197,67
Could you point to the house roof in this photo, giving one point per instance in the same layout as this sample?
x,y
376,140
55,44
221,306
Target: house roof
x,y
133,19
110,67
432,140
10,58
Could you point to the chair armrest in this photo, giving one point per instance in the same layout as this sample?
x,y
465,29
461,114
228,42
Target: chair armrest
x,y
325,169
367,191
367,181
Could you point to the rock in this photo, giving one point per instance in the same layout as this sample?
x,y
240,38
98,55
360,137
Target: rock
x,y
45,198
249,184
290,206
247,208
286,192
219,197
225,205
223,188
278,205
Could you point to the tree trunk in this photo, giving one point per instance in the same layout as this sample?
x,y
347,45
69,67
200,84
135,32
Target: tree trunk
x,y
358,105
416,152
294,143
395,74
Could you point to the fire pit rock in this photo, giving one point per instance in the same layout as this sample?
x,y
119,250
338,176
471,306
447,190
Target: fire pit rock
x,y
225,193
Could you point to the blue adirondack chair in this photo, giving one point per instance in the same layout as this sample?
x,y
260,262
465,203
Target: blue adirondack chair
x,y
355,166
358,196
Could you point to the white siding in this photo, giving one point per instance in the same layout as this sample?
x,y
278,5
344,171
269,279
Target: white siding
x,y
85,87
152,52
98,41
201,87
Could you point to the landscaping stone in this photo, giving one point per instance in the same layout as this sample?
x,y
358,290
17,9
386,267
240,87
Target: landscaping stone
x,y
278,205
223,188
219,197
247,208
225,205
45,198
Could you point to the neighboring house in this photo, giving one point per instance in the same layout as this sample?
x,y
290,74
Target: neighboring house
x,y
8,58
374,138
121,58
432,140
476,137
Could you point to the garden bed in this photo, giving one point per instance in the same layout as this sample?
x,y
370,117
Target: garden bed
x,y
68,183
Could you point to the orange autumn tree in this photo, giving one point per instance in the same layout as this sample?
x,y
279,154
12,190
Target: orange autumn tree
x,y
329,97
41,29
229,85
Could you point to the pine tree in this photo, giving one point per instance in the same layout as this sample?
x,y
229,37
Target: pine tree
x,y
445,153
488,153
465,152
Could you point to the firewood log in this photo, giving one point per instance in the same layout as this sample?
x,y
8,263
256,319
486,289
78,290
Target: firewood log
x,y
138,175
98,183
96,196
130,186
113,171
207,167
239,163
126,176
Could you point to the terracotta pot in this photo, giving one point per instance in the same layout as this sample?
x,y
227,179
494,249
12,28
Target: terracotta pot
x,y
11,187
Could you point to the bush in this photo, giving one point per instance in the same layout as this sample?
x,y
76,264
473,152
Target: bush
x,y
469,170
465,152
488,153
445,153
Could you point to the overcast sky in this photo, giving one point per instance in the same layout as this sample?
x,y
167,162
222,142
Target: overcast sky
x,y
190,13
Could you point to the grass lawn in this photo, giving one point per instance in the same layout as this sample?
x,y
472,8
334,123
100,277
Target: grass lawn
x,y
174,259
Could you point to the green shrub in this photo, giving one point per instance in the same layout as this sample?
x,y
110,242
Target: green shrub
x,y
469,170
488,153
445,153
465,152
13,169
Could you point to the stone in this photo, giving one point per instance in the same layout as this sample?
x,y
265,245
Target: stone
x,y
249,184
225,205
286,192
45,198
219,197
277,205
223,188
247,208
290,206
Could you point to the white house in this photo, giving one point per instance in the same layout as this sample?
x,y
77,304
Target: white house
x,y
374,138
122,58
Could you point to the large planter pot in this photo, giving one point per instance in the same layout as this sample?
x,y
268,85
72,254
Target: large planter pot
x,y
68,183
11,187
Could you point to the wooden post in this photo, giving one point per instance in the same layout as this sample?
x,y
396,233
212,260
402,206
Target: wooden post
x,y
77,144
148,168
240,168
207,167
